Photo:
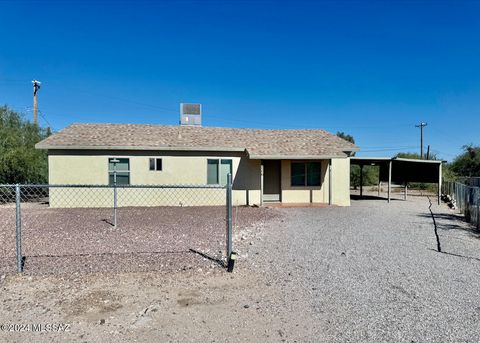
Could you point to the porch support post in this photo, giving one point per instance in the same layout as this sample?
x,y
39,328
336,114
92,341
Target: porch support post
x,y
261,184
406,191
330,182
389,179
379,186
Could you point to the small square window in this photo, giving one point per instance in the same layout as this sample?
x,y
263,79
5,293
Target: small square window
x,y
155,164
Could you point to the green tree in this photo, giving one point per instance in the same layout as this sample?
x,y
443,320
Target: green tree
x,y
467,163
20,162
345,136
370,173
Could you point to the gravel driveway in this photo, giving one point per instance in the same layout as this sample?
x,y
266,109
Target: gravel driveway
x,y
371,273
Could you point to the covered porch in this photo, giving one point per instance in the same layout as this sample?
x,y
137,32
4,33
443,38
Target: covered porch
x,y
305,181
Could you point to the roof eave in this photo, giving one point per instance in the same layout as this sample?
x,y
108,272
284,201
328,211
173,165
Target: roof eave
x,y
416,160
294,157
150,148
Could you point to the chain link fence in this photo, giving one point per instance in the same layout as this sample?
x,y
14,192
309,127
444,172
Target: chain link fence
x,y
472,181
101,228
466,199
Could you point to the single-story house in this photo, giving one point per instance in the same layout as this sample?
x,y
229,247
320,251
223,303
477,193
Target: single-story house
x,y
288,166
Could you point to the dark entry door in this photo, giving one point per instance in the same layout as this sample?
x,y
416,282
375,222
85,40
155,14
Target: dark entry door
x,y
271,180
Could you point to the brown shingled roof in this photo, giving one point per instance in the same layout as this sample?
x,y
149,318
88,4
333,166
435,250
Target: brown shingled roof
x,y
258,143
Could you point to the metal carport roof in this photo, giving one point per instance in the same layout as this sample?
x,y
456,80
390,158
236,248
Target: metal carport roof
x,y
402,170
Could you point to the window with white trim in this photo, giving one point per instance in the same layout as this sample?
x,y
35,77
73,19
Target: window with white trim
x,y
122,168
217,171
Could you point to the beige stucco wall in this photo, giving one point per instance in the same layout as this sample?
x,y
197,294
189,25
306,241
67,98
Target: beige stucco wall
x,y
319,194
178,168
341,181
181,168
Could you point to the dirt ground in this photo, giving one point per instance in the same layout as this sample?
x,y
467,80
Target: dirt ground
x,y
166,304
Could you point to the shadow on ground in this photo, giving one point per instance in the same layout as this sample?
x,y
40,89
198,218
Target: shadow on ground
x,y
452,221
370,197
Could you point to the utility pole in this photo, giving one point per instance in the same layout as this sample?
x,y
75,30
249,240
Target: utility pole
x,y
421,126
36,87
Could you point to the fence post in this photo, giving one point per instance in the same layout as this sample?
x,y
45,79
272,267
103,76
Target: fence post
x,y
18,225
478,209
115,161
229,216
115,205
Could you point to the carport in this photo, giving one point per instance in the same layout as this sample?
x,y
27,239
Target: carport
x,y
401,171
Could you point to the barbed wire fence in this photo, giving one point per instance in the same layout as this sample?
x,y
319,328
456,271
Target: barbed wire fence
x,y
466,199
114,228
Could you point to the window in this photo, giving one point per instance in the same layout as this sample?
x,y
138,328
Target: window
x,y
217,171
306,174
212,172
156,164
313,174
298,174
122,168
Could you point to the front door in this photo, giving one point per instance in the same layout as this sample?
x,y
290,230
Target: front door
x,y
271,180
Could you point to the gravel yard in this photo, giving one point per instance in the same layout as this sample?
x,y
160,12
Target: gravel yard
x,y
80,240
367,273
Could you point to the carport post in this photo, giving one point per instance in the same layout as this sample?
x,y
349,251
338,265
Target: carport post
x,y
361,180
406,191
389,179
439,182
18,228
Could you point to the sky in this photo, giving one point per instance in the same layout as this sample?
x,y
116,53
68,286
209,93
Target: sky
x,y
373,69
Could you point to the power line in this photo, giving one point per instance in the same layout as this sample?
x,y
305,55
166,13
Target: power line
x,y
45,119
387,149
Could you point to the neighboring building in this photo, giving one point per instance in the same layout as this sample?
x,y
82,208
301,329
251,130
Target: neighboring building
x,y
299,166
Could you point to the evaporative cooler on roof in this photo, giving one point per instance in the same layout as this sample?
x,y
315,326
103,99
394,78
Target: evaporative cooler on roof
x,y
191,114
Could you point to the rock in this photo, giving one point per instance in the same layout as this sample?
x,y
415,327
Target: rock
x,y
246,306
102,321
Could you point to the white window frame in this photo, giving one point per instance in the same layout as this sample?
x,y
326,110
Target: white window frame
x,y
119,171
219,168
